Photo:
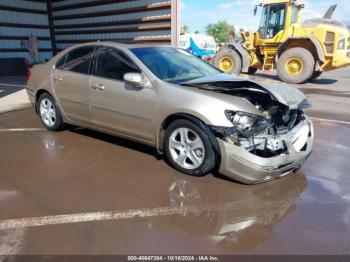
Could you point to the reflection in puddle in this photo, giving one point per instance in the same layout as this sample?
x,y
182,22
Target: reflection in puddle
x,y
11,242
186,198
7,194
50,143
346,197
237,218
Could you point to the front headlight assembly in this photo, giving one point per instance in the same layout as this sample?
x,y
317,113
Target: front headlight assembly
x,y
247,124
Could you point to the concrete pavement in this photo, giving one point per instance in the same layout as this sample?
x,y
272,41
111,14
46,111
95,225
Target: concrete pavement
x,y
12,93
14,101
83,192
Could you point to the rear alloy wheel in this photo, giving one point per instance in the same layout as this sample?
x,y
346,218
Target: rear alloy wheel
x,y
188,148
296,66
228,60
49,113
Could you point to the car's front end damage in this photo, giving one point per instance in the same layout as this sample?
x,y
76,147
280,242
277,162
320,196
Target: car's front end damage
x,y
265,156
270,144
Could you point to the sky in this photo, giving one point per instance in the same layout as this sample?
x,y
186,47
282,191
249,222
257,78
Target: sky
x,y
198,13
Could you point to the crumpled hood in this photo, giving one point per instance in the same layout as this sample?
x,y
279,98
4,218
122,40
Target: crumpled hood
x,y
283,93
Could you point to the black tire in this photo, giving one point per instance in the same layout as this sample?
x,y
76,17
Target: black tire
x,y
209,157
232,55
307,68
58,122
316,75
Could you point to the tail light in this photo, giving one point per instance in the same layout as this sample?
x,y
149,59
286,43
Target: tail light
x,y
29,74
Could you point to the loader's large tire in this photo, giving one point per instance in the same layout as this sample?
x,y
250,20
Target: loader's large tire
x,y
296,66
228,60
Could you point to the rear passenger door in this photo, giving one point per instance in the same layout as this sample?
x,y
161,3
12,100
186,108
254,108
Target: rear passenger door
x,y
71,83
115,105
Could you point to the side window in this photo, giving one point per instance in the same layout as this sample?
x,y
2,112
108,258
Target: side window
x,y
78,60
113,64
60,63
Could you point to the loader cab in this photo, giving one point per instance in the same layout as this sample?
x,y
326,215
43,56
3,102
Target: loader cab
x,y
272,20
276,19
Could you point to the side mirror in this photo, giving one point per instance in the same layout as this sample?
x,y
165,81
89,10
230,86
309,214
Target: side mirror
x,y
135,79
255,10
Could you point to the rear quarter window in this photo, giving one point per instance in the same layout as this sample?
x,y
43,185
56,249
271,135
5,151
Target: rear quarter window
x,y
60,62
77,60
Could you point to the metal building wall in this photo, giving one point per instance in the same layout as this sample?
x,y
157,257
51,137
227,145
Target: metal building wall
x,y
18,20
61,23
77,21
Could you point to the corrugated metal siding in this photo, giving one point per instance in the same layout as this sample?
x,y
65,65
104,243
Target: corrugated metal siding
x,y
24,4
13,34
76,21
134,20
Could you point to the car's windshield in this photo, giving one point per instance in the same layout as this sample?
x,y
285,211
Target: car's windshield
x,y
174,65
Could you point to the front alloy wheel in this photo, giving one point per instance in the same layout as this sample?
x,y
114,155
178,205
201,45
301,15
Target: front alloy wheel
x,y
188,148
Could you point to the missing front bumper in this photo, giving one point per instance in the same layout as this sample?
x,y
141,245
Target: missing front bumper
x,y
239,164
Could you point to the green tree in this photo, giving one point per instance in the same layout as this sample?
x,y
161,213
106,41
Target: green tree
x,y
185,29
220,31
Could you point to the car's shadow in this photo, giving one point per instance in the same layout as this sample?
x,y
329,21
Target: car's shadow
x,y
115,140
118,141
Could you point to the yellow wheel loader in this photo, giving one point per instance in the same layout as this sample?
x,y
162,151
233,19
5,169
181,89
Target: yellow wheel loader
x,y
299,51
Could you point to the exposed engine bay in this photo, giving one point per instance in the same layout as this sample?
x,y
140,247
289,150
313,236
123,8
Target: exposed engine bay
x,y
260,135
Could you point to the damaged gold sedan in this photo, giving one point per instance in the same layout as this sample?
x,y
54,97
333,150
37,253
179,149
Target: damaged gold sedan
x,y
202,120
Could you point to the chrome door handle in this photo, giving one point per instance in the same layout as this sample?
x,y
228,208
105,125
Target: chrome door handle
x,y
98,87
58,78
